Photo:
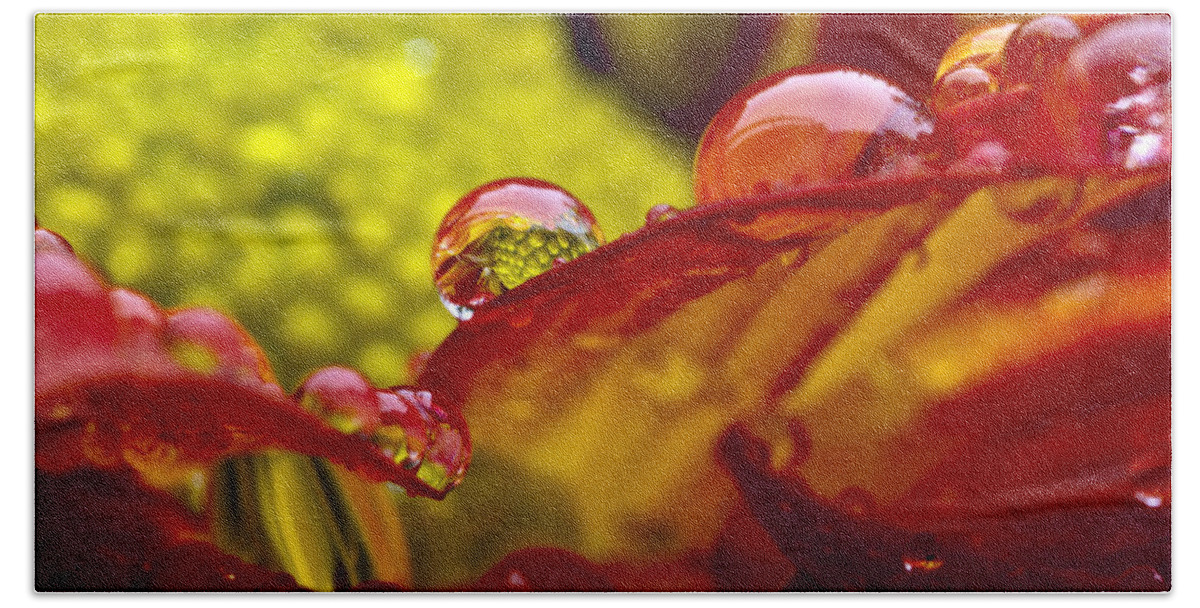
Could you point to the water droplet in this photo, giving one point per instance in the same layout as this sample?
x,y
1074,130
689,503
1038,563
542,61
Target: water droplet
x,y
403,434
516,580
139,324
964,83
982,47
661,213
926,563
44,241
419,434
1036,48
206,341
343,398
808,125
503,234
445,462
1110,100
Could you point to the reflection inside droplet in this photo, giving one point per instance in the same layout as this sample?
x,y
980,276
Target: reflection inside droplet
x,y
503,234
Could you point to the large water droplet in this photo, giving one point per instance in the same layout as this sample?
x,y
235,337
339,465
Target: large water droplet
x,y
808,125
1110,100
503,234
1036,48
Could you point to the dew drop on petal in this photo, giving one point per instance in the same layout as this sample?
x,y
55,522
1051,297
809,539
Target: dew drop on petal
x,y
140,325
1149,499
403,434
1036,48
921,563
343,398
808,125
45,241
660,213
446,460
417,433
504,233
1110,99
964,83
923,556
982,47
206,341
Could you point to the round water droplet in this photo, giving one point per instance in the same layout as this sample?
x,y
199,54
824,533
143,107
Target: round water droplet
x,y
965,82
1036,48
982,47
445,462
139,324
206,341
45,241
503,234
343,398
808,125
660,213
1110,99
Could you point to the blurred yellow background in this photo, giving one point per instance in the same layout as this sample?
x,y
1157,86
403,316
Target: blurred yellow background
x,y
290,170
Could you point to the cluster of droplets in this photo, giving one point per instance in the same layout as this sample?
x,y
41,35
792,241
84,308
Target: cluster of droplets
x,y
1090,89
504,233
1050,91
403,422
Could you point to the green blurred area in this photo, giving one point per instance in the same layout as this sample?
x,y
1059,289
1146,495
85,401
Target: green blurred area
x,y
290,170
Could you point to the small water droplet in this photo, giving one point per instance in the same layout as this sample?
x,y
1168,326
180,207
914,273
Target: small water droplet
x,y
504,233
921,563
342,397
661,213
403,434
417,433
